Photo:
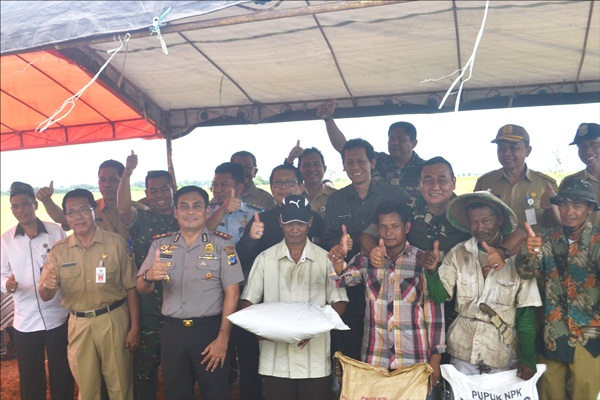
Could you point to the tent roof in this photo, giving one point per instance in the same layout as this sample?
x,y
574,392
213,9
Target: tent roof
x,y
237,62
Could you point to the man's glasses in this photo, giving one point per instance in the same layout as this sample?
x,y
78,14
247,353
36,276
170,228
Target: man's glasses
x,y
83,211
287,183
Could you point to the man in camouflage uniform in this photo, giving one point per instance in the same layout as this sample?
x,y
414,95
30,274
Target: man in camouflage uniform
x,y
567,260
144,226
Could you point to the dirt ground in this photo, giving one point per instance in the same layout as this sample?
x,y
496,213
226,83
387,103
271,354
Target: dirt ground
x,y
9,383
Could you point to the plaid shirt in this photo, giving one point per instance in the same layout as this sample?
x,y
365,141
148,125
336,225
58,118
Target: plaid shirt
x,y
403,326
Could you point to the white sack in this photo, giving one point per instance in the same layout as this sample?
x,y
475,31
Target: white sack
x,y
288,322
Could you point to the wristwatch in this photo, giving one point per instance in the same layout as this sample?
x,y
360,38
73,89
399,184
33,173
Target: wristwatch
x,y
145,278
505,252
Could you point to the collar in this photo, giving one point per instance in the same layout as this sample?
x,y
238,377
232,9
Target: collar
x,y
528,174
73,241
40,228
307,253
374,187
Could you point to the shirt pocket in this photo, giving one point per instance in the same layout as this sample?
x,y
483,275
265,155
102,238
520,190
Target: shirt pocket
x,y
207,269
466,287
504,293
410,289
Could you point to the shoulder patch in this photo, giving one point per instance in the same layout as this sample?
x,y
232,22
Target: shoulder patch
x,y
222,235
162,235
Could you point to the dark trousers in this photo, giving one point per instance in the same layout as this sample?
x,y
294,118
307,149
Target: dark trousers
x,y
246,345
181,349
298,389
32,348
350,342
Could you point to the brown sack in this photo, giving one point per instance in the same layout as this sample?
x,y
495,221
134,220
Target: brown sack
x,y
361,381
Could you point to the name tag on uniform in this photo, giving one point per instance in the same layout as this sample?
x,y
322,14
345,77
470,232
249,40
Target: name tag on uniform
x,y
71,264
101,275
208,257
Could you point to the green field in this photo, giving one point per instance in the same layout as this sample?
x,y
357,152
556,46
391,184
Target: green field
x,y
464,184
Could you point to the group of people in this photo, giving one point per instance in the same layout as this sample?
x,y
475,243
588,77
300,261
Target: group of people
x,y
417,272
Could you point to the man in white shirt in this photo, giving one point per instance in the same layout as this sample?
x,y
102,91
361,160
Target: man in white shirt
x,y
40,327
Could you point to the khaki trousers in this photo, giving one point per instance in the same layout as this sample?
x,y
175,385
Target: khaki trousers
x,y
584,373
97,348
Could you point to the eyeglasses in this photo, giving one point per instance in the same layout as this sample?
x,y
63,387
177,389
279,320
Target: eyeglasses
x,y
287,183
83,211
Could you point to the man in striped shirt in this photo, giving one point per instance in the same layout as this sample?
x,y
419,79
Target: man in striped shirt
x,y
402,325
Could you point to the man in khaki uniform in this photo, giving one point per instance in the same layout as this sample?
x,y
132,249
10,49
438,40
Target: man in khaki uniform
x,y
515,184
97,278
587,140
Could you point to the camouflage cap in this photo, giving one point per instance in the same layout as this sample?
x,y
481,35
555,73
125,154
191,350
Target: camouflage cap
x,y
587,130
512,133
575,190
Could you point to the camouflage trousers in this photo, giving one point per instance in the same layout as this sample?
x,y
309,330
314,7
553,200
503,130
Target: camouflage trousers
x,y
147,356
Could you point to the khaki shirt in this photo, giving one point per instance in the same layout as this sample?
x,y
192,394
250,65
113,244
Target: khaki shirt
x,y
77,267
586,176
108,218
198,274
276,277
532,185
320,200
258,197
472,337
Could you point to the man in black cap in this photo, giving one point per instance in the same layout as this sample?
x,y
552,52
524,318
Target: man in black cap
x,y
587,140
40,327
567,260
520,187
295,270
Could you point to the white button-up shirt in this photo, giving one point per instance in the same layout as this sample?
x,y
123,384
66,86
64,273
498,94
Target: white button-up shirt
x,y
25,257
276,277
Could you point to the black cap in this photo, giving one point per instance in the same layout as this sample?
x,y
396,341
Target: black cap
x,y
295,208
586,131
21,188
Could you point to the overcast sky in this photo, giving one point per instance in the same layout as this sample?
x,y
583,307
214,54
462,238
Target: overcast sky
x,y
463,138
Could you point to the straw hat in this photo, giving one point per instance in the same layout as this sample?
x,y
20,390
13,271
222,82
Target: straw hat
x,y
457,211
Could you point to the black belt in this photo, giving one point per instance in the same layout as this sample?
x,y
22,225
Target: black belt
x,y
191,322
100,311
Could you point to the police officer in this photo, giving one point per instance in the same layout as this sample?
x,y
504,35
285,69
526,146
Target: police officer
x,y
227,213
200,275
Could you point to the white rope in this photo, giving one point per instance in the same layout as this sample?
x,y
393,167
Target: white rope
x,y
157,22
71,100
469,64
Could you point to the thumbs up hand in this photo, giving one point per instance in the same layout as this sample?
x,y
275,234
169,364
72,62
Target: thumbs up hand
x,y
44,194
257,229
431,258
378,253
11,284
232,203
49,277
546,196
131,163
347,238
495,257
533,243
159,269
296,152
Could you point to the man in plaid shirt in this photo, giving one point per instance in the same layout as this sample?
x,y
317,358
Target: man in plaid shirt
x,y
402,325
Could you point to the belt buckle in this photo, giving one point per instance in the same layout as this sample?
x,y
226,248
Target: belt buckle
x,y
188,323
90,314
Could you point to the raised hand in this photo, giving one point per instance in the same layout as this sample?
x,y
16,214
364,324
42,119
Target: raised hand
x,y
45,193
495,257
349,241
431,258
546,196
232,203
296,152
378,254
49,277
325,110
159,269
257,229
533,243
131,163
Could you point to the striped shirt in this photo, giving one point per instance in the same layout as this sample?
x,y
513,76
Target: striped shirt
x,y
403,326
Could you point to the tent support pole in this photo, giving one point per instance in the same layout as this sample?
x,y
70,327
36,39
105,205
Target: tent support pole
x,y
171,168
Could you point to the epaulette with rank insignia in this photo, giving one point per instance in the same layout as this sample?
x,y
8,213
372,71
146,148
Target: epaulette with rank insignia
x,y
255,206
162,235
222,235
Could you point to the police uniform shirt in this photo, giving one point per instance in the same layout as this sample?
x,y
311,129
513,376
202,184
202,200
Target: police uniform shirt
x,y
77,268
234,223
531,186
586,176
198,274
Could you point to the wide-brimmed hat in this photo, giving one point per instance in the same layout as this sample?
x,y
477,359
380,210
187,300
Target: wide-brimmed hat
x,y
575,190
457,211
